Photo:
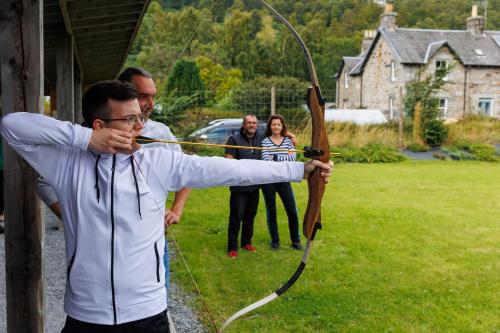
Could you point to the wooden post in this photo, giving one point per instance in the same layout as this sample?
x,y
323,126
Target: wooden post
x,y
416,123
21,37
401,119
78,95
65,78
273,101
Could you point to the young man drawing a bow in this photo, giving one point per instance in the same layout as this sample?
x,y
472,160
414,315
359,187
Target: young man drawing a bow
x,y
112,196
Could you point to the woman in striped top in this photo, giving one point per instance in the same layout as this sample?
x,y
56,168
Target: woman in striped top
x,y
275,138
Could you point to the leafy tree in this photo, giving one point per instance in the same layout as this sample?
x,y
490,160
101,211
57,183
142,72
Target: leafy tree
x,y
420,96
217,79
185,81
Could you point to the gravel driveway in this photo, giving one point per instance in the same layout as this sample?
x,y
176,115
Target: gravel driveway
x,y
185,320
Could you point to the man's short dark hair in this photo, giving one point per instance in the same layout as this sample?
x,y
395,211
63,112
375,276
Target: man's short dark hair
x,y
130,72
95,100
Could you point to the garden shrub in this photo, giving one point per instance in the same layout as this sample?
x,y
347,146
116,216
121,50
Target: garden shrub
x,y
372,153
434,132
473,151
417,147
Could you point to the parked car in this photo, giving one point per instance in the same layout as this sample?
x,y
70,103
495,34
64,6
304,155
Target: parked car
x,y
219,130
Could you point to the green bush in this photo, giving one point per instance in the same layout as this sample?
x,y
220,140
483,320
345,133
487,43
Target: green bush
x,y
417,147
434,132
372,153
473,151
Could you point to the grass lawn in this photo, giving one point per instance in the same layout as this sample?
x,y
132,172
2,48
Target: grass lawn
x,y
406,247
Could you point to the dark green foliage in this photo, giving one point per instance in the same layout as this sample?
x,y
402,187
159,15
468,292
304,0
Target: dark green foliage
x,y
422,92
417,148
473,151
255,96
435,132
172,110
372,153
185,81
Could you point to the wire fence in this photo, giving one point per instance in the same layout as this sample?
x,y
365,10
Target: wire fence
x,y
188,109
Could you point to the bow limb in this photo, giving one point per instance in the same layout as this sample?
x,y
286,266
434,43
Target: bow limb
x,y
320,151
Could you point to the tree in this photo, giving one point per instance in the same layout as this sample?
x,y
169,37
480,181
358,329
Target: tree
x,y
423,107
185,81
217,79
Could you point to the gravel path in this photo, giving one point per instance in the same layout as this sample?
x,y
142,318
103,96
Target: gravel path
x,y
54,275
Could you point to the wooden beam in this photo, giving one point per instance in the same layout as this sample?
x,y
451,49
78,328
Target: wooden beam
x,y
65,78
97,22
22,91
103,38
104,29
78,95
77,5
107,12
69,28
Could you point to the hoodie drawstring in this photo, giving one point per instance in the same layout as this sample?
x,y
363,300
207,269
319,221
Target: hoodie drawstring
x,y
96,186
136,186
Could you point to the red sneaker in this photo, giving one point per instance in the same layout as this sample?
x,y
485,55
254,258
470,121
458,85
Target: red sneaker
x,y
249,247
232,254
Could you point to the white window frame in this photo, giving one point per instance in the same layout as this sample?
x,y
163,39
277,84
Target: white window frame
x,y
443,110
393,71
486,99
439,63
346,80
391,108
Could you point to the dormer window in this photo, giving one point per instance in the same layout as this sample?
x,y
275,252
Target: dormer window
x,y
393,71
346,80
479,52
442,64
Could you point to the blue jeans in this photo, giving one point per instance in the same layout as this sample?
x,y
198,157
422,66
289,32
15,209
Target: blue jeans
x,y
166,262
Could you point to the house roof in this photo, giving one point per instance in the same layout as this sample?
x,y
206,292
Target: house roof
x,y
417,46
412,45
348,63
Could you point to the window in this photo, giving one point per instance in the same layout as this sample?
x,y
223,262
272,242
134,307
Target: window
x,y
442,64
443,108
393,71
345,103
485,107
392,112
346,80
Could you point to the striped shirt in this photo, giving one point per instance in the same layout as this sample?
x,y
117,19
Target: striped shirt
x,y
277,155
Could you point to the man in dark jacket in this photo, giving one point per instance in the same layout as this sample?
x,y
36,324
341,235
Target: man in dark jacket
x,y
244,200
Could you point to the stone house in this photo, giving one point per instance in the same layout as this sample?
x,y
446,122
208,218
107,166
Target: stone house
x,y
392,56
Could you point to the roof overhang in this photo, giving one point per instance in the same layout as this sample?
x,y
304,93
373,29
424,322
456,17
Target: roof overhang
x,y
103,32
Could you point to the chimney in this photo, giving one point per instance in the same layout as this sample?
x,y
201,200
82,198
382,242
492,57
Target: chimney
x,y
367,40
475,23
388,18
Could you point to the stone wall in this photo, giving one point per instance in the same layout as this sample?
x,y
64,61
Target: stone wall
x,y
348,97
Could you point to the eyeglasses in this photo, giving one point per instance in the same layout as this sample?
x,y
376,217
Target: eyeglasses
x,y
131,120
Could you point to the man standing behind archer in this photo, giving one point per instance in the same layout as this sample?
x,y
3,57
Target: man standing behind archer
x,y
244,200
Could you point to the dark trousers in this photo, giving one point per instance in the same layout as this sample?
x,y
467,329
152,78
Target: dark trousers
x,y
154,324
243,208
285,192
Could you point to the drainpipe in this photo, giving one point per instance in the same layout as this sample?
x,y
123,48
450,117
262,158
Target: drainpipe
x,y
465,92
361,91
